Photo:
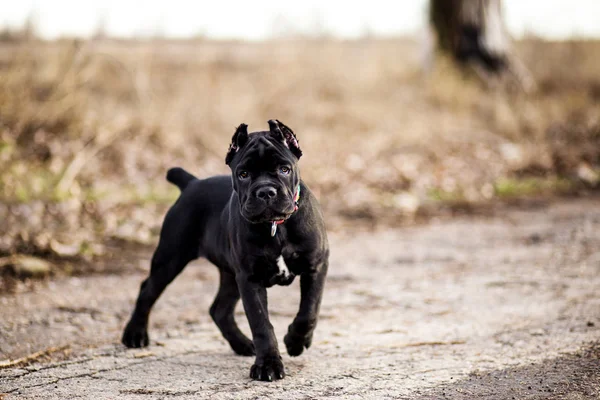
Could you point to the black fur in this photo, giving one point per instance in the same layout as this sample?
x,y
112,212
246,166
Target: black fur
x,y
227,219
179,177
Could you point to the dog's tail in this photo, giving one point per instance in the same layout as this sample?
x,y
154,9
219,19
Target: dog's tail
x,y
179,177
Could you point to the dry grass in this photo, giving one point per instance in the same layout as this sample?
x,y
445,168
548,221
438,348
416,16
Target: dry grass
x,y
88,129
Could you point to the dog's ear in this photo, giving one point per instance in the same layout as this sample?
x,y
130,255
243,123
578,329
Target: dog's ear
x,y
239,139
283,133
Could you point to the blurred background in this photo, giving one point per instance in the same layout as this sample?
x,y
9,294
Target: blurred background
x,y
404,111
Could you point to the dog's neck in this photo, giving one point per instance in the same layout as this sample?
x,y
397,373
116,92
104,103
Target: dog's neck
x,y
277,222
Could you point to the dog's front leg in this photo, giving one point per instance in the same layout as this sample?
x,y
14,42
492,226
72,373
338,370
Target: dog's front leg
x,y
300,331
268,365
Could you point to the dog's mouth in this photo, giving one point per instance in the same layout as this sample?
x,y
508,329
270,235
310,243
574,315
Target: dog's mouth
x,y
267,214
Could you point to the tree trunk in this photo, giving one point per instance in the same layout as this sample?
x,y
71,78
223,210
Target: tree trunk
x,y
471,30
473,33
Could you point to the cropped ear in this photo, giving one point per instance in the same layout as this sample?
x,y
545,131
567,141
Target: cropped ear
x,y
281,132
239,139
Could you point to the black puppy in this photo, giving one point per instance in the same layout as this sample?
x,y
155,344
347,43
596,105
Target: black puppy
x,y
245,224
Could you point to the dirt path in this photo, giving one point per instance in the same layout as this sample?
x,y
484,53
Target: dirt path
x,y
505,307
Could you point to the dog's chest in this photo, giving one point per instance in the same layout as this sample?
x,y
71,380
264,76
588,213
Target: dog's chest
x,y
282,267
276,269
280,264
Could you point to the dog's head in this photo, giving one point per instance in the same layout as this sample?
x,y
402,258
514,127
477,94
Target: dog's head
x,y
264,167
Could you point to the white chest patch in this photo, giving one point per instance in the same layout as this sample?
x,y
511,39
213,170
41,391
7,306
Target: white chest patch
x,y
283,269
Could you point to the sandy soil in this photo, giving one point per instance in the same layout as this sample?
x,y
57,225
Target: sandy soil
x,y
497,308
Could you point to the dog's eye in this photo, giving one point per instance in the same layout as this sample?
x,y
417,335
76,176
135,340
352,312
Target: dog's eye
x,y
285,170
243,174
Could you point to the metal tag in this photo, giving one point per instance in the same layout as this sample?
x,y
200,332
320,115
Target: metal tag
x,y
273,228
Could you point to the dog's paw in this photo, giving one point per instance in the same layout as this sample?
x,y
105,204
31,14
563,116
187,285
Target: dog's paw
x,y
268,369
280,279
295,343
243,347
287,280
135,336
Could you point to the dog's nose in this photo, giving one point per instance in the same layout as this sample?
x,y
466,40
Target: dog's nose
x,y
266,193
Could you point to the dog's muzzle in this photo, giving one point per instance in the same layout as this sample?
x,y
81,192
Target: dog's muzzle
x,y
268,204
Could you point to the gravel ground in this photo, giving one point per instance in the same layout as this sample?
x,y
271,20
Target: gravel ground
x,y
499,307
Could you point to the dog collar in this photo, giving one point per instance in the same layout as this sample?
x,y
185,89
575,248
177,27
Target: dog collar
x,y
281,221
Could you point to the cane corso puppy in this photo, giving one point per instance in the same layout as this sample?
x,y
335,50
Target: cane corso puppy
x,y
261,227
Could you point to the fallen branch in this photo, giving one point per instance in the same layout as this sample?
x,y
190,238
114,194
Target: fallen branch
x,y
31,357
417,344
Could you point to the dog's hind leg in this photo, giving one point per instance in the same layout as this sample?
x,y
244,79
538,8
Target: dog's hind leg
x,y
222,312
162,272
